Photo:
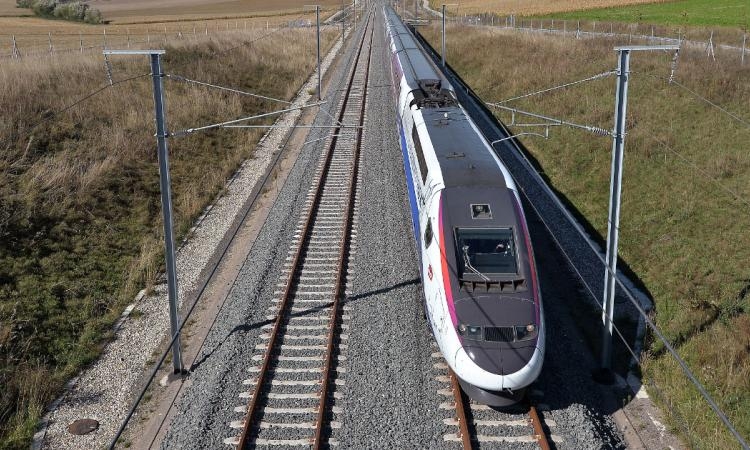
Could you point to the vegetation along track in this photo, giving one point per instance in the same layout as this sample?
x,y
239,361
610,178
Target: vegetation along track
x,y
289,404
481,426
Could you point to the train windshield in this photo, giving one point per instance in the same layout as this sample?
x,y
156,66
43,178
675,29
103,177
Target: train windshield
x,y
486,251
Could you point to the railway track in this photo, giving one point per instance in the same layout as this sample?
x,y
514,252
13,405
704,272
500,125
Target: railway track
x,y
292,389
480,426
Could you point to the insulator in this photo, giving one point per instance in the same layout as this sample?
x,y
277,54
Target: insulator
x,y
599,131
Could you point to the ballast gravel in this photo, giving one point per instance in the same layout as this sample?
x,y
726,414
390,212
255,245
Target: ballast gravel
x,y
389,398
216,381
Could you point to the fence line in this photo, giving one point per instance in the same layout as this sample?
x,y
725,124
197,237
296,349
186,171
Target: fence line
x,y
611,30
108,40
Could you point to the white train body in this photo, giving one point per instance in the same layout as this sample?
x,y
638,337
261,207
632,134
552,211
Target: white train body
x,y
482,298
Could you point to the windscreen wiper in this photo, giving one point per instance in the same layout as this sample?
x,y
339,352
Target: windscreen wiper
x,y
467,263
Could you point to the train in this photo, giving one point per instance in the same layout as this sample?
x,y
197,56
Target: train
x,y
482,298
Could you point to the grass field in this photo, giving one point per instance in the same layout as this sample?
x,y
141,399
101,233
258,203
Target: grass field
x,y
118,11
8,9
136,11
80,229
32,34
529,7
685,195
146,21
707,13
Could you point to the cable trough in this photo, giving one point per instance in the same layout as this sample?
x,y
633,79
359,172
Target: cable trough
x,y
291,390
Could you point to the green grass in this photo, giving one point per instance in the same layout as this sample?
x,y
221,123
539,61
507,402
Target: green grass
x,y
681,232
704,13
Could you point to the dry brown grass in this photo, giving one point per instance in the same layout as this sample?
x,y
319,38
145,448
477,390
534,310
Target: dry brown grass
x,y
32,33
532,7
683,235
136,11
8,9
79,202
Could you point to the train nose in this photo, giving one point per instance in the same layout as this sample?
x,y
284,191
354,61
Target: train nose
x,y
501,361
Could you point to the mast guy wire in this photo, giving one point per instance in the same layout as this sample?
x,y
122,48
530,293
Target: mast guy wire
x,y
719,107
704,173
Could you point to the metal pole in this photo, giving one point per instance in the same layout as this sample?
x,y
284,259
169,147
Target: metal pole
x,y
317,20
105,39
80,40
443,54
615,189
166,204
744,39
16,53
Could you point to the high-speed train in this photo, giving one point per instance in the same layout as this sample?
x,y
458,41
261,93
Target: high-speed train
x,y
482,297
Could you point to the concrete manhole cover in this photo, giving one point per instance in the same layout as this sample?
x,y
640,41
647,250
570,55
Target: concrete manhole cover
x,y
83,426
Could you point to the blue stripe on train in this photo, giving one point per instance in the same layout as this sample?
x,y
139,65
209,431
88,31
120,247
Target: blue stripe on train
x,y
409,181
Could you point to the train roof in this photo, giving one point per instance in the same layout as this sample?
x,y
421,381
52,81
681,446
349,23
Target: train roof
x,y
429,86
461,151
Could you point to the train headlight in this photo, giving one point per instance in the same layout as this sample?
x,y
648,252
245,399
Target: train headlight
x,y
526,332
470,332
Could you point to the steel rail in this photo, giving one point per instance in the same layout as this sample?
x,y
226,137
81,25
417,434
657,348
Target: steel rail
x,y
340,285
463,422
539,434
464,426
295,266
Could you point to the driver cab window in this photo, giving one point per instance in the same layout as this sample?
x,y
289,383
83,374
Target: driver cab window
x,y
486,251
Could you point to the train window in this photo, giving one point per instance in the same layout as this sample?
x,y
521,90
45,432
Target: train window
x,y
420,154
428,233
486,251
